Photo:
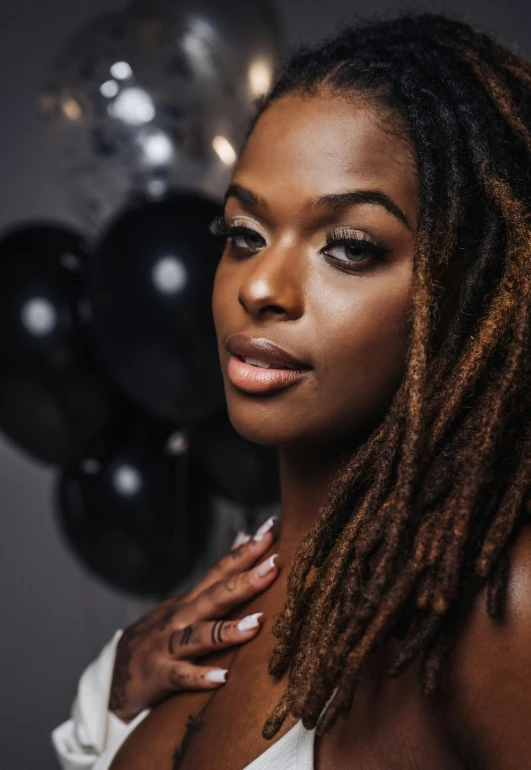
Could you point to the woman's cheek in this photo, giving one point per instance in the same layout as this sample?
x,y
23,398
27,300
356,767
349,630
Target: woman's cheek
x,y
376,345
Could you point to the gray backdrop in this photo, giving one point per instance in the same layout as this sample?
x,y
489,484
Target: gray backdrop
x,y
55,616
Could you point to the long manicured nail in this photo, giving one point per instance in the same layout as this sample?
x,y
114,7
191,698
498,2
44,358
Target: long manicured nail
x,y
249,622
241,538
264,529
266,566
217,675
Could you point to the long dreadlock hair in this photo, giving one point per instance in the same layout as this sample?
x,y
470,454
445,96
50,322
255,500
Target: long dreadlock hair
x,y
421,516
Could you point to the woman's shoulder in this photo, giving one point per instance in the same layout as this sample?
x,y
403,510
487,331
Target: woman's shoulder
x,y
491,672
483,636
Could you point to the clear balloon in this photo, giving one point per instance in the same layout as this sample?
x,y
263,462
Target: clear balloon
x,y
157,96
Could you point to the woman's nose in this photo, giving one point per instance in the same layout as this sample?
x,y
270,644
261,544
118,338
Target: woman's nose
x,y
274,283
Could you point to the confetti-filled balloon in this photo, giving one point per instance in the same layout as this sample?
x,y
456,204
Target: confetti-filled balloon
x,y
157,96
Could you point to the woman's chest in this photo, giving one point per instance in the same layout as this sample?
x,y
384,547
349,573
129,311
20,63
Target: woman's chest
x,y
390,724
218,728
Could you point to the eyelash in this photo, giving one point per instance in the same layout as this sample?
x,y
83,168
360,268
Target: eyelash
x,y
219,228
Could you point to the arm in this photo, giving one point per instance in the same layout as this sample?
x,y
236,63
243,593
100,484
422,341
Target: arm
x,y
492,674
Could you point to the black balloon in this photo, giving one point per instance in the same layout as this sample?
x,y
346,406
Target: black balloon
x,y
135,514
55,395
151,298
240,470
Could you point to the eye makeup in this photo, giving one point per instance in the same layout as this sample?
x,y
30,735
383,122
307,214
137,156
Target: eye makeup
x,y
360,248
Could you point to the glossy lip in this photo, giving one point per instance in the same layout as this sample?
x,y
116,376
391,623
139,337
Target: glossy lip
x,y
256,379
241,344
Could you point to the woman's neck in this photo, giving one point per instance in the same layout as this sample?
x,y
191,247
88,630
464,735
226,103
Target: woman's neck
x,y
306,475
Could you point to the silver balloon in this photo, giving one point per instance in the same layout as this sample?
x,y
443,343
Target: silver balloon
x,y
157,96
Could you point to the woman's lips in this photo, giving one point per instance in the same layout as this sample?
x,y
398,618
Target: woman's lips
x,y
255,379
263,350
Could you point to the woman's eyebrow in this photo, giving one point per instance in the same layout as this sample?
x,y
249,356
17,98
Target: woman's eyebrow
x,y
332,200
351,197
244,195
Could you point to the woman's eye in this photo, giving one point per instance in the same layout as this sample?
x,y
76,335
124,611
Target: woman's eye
x,y
247,239
354,251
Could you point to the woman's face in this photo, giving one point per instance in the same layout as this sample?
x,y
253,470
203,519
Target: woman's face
x,y
342,308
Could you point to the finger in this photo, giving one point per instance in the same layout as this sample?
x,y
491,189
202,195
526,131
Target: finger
x,y
240,539
218,599
200,638
241,558
183,675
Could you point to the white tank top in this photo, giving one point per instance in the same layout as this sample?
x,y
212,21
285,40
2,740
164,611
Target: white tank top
x,y
294,751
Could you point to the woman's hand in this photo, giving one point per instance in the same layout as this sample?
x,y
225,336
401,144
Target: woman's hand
x,y
157,655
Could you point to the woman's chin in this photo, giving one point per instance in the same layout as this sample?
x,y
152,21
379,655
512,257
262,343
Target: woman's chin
x,y
262,428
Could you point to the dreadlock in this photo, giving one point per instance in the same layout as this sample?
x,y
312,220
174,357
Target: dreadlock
x,y
422,515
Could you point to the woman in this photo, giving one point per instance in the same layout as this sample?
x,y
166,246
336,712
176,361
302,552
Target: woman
x,y
377,229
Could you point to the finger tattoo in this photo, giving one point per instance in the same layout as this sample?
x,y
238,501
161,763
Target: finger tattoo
x,y
186,635
236,554
217,629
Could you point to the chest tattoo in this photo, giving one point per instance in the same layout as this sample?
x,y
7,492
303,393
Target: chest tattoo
x,y
193,725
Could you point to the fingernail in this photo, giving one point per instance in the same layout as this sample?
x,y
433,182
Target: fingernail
x,y
241,538
249,621
217,675
264,529
266,566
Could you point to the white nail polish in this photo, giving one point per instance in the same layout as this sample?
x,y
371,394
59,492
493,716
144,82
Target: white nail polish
x,y
249,621
264,529
241,538
266,566
217,675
